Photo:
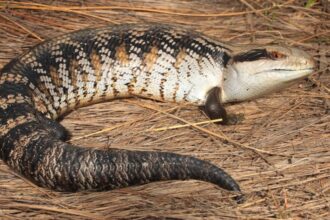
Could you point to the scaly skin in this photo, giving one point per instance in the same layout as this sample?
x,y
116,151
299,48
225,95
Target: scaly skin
x,y
94,65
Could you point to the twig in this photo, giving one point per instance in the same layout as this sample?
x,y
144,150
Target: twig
x,y
255,150
102,131
21,26
185,125
112,128
313,36
33,6
55,8
54,209
255,10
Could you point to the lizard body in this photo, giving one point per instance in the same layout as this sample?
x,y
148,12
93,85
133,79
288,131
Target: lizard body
x,y
94,65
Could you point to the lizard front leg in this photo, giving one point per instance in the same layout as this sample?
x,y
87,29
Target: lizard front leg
x,y
214,109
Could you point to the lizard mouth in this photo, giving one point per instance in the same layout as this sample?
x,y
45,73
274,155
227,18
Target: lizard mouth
x,y
294,75
297,73
296,70
304,72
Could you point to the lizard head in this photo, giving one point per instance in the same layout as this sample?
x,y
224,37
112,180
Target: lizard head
x,y
256,72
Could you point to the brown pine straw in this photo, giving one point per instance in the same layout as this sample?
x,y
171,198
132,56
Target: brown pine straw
x,y
279,153
35,6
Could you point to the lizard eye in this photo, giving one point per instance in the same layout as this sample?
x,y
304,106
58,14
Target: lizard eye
x,y
276,55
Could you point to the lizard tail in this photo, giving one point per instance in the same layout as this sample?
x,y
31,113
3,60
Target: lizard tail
x,y
38,154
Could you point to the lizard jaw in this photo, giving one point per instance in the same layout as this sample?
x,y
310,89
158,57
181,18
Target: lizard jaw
x,y
250,75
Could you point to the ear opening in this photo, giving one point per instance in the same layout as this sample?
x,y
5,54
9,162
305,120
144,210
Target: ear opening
x,y
225,59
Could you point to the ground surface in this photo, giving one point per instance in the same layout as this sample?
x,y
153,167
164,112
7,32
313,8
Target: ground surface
x,y
282,163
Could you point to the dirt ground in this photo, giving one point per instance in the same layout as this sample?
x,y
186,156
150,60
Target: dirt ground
x,y
280,153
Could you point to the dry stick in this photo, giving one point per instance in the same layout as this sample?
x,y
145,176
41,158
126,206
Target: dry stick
x,y
277,205
93,16
320,84
298,130
114,127
298,182
255,150
298,8
184,125
293,42
312,36
287,112
251,203
256,31
263,125
103,130
2,211
305,95
297,163
54,8
182,14
267,123
21,26
74,9
255,10
304,127
179,13
59,210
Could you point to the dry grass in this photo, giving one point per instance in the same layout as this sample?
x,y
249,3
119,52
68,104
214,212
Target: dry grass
x,y
279,154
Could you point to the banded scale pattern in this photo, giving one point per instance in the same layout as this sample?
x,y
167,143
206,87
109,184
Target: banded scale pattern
x,y
94,65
